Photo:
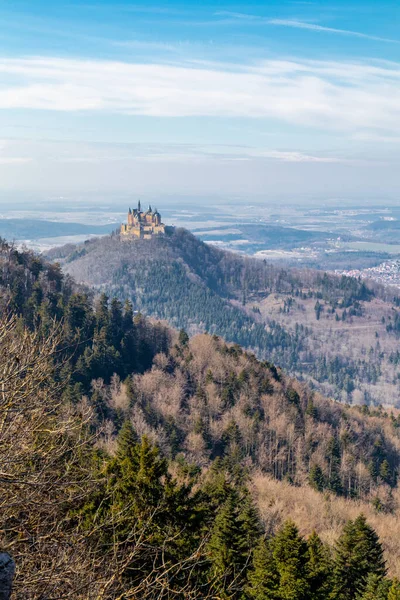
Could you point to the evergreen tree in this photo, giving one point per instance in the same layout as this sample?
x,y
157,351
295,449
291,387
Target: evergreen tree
x,y
358,554
224,551
250,526
384,471
316,478
311,409
233,534
263,578
102,312
127,319
291,556
127,441
183,338
116,320
375,589
334,457
319,568
394,590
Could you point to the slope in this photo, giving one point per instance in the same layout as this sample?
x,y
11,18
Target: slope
x,y
337,331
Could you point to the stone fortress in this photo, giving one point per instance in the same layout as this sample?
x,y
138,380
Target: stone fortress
x,y
142,225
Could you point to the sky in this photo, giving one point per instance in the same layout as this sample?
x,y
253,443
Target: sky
x,y
273,99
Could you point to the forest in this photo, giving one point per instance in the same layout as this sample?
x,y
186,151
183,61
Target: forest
x,y
139,462
336,332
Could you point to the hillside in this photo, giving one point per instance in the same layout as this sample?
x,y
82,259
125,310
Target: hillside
x,y
337,332
140,463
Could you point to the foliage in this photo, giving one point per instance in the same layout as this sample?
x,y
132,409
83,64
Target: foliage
x,y
359,556
127,451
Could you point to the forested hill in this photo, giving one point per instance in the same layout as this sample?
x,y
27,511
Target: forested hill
x,y
138,462
337,331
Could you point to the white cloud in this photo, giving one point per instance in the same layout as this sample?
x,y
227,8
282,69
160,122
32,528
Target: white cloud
x,y
303,25
321,28
295,157
14,160
104,153
326,95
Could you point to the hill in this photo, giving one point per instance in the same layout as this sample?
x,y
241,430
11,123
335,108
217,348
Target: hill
x,y
139,462
337,332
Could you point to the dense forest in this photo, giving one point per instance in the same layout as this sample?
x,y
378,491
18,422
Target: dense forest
x,y
131,456
337,332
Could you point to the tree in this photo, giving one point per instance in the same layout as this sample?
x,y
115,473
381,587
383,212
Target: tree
x,y
116,321
183,338
46,457
376,588
291,555
250,526
394,590
316,478
228,548
318,309
127,440
263,578
358,554
319,568
384,471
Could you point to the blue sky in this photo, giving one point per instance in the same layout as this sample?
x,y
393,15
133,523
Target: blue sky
x,y
259,98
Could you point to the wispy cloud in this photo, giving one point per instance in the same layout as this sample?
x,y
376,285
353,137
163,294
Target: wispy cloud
x,y
321,28
103,153
296,24
326,95
144,45
14,160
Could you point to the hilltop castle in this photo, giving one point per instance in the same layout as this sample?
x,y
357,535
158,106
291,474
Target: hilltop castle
x,y
142,224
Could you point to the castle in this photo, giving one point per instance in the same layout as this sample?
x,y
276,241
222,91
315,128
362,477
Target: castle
x,y
142,224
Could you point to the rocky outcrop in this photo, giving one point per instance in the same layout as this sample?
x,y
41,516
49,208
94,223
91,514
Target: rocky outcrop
x,y
7,570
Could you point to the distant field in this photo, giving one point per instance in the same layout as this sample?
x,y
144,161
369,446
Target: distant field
x,y
372,247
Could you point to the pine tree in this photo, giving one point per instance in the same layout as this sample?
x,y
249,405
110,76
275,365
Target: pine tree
x,y
291,556
127,441
384,471
394,590
183,338
225,550
334,457
319,568
217,487
127,319
250,527
316,478
358,553
263,578
311,409
375,589
116,319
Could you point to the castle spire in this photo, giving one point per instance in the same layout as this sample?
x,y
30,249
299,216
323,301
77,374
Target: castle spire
x,y
139,207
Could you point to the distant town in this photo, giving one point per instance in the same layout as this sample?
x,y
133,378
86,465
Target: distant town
x,y
387,273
